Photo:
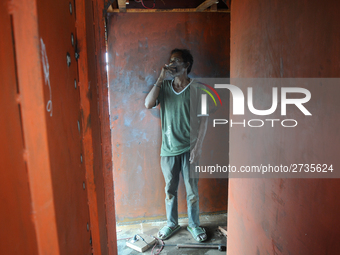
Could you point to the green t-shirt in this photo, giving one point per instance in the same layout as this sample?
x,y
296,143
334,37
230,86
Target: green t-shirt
x,y
179,117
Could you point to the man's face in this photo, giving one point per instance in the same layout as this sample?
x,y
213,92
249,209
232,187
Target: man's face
x,y
177,67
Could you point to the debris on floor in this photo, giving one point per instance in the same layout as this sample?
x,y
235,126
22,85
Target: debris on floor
x,y
141,242
216,241
223,230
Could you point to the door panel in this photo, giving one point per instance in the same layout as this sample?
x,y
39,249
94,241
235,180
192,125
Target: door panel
x,y
63,119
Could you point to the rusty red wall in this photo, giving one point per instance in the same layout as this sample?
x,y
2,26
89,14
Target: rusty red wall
x,y
15,199
138,45
64,125
286,216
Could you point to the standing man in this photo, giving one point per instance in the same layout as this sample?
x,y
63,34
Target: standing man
x,y
182,138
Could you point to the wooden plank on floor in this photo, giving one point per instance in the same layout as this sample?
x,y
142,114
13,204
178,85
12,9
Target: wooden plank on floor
x,y
223,229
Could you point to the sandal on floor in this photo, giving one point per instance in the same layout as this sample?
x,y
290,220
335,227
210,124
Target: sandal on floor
x,y
195,232
167,232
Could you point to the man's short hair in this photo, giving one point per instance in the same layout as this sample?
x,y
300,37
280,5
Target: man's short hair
x,y
187,57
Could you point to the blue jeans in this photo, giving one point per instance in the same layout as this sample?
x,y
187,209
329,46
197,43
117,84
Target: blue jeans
x,y
171,168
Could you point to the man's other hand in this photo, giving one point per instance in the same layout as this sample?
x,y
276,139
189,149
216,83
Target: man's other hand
x,y
195,154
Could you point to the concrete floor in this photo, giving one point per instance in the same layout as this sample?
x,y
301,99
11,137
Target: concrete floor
x,y
209,222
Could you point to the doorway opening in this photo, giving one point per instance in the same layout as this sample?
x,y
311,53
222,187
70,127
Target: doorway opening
x,y
138,45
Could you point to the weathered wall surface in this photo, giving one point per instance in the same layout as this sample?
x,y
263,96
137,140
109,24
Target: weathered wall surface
x,y
53,192
286,216
65,127
89,73
17,229
139,45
